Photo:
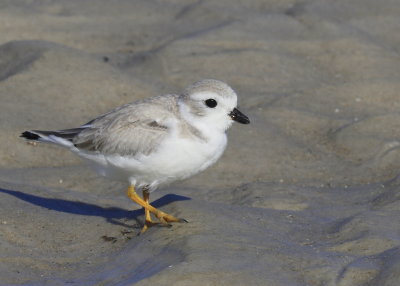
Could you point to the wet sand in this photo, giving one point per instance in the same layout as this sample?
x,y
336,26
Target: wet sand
x,y
307,194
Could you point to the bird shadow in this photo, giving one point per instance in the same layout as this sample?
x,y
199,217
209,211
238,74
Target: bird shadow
x,y
111,214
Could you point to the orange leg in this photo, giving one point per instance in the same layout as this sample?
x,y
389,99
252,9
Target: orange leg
x,y
148,221
162,216
146,197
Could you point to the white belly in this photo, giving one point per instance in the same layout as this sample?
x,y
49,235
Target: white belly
x,y
184,158
175,159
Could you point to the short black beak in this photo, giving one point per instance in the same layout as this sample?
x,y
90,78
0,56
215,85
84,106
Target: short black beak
x,y
239,117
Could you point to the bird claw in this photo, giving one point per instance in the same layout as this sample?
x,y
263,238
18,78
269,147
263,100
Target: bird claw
x,y
164,222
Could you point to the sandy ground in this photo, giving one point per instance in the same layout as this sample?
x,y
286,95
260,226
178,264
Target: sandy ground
x,y
308,194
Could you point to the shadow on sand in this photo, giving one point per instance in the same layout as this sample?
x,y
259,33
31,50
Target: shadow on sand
x,y
111,214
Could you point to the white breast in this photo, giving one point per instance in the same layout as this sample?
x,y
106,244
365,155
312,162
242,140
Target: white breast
x,y
179,158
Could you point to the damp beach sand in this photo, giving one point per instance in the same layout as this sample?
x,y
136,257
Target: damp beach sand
x,y
307,194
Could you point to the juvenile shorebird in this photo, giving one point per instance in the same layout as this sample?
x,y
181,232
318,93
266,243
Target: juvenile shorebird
x,y
155,141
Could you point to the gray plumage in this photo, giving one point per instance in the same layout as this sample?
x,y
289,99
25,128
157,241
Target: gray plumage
x,y
129,129
134,128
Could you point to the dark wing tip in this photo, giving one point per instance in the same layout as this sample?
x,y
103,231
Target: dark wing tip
x,y
30,136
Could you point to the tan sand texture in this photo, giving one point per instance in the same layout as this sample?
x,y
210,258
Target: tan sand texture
x,y
307,194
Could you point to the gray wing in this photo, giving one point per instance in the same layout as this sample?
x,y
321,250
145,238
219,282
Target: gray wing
x,y
136,128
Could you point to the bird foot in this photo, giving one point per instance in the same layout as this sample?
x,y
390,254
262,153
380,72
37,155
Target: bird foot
x,y
164,221
149,224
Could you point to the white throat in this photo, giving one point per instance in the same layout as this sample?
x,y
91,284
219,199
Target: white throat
x,y
208,125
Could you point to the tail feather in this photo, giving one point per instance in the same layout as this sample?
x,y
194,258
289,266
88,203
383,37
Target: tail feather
x,y
60,137
30,136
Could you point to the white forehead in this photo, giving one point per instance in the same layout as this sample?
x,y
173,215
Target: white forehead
x,y
211,88
229,101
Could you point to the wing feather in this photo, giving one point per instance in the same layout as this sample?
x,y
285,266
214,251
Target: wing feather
x,y
132,129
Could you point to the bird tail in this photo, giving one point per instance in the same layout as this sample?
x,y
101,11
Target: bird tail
x,y
60,137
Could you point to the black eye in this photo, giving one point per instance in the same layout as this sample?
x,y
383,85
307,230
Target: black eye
x,y
211,103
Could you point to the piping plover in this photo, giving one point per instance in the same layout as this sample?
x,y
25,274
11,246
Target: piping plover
x,y
155,141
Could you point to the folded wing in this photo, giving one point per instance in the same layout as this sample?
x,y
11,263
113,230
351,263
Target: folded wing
x,y
132,129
